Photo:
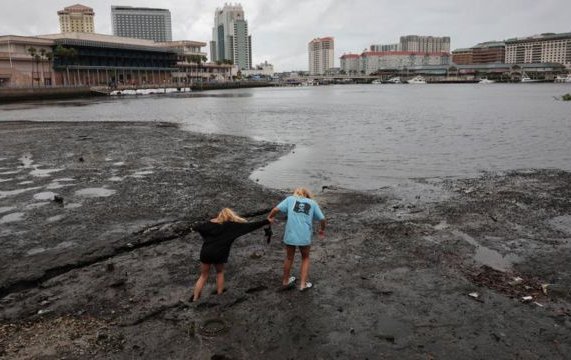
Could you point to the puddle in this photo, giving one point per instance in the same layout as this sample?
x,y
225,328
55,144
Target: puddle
x,y
12,172
441,226
115,178
57,185
43,172
26,182
141,174
95,192
14,217
36,205
55,218
72,206
26,161
64,179
5,209
4,194
120,163
487,256
48,195
39,250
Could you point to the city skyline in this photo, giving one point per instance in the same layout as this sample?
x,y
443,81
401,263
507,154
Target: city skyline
x,y
355,26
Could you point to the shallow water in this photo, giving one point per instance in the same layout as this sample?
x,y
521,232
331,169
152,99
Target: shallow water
x,y
360,136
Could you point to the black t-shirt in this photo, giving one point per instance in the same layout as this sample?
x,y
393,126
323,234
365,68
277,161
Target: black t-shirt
x,y
218,238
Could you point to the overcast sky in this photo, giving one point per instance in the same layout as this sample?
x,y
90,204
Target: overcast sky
x,y
281,29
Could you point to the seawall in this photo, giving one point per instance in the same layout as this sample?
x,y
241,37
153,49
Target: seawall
x,y
20,94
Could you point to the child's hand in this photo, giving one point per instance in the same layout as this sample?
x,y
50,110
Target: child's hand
x,y
321,234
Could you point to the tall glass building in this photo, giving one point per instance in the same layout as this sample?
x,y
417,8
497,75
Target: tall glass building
x,y
141,23
230,39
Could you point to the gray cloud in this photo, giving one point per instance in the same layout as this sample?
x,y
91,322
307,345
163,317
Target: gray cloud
x,y
281,29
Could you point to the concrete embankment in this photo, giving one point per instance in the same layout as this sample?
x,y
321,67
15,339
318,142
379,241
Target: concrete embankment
x,y
20,94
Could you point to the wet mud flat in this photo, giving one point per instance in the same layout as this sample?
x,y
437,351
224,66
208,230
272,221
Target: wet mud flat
x,y
97,259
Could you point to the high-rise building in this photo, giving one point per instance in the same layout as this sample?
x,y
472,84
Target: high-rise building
x,y
321,55
76,18
545,48
427,44
141,23
230,39
385,47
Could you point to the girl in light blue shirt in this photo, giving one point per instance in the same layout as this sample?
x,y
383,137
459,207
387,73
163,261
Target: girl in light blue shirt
x,y
301,211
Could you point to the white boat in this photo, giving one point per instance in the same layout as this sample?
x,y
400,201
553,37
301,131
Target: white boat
x,y
377,82
563,79
149,91
526,79
486,81
417,80
394,80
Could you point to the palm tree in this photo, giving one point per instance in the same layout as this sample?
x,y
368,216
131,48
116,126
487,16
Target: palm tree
x,y
33,52
43,55
50,58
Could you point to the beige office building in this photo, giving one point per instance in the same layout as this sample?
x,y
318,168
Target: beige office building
x,y
76,18
546,48
427,44
321,55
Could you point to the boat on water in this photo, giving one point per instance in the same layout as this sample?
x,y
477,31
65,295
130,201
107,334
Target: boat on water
x,y
486,81
394,80
417,80
377,82
563,79
526,79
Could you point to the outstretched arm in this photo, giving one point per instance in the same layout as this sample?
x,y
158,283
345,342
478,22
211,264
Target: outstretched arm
x,y
244,228
273,213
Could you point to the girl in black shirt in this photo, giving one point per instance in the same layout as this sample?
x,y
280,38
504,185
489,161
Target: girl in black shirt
x,y
219,234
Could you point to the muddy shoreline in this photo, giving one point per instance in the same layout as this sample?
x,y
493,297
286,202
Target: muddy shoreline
x,y
97,260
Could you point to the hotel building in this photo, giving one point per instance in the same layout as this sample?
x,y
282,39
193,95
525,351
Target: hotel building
x,y
545,48
230,39
76,18
141,23
427,44
350,63
371,61
321,55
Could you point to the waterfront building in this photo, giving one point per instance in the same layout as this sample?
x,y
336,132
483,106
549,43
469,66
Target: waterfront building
x,y
489,52
89,59
462,56
191,65
264,69
555,48
385,47
21,67
76,18
372,62
350,63
321,55
141,23
428,44
230,38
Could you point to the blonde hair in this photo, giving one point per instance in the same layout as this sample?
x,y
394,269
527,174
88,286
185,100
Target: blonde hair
x,y
303,192
228,214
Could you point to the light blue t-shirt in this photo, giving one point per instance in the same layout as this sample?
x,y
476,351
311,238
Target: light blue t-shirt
x,y
300,215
